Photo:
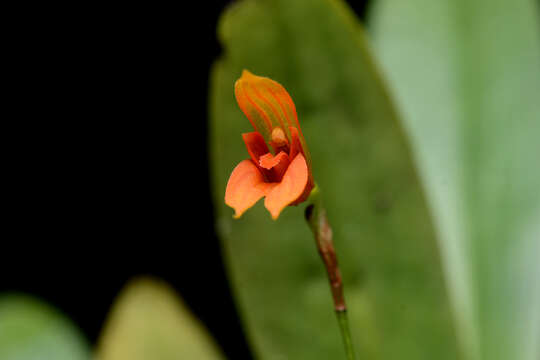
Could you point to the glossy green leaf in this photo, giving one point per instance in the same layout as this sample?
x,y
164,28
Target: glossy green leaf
x,y
383,233
33,330
148,321
466,75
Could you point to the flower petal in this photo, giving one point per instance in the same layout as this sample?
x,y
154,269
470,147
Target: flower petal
x,y
245,187
296,146
268,161
255,145
291,187
275,165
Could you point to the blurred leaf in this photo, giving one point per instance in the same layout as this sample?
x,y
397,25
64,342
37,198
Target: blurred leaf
x,y
383,233
148,321
33,330
466,75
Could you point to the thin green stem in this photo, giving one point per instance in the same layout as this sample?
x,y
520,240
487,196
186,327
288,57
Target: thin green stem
x,y
318,222
343,321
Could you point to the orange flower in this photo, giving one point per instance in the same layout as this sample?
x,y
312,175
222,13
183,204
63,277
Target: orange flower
x,y
283,176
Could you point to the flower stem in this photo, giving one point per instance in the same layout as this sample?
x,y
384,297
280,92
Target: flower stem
x,y
345,333
318,222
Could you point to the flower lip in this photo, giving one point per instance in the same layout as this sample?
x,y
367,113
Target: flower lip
x,y
269,161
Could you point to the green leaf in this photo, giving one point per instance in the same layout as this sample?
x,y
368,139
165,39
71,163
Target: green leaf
x,y
33,330
148,321
466,75
383,233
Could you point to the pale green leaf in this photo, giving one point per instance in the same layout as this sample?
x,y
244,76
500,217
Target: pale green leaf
x,y
148,321
32,330
466,75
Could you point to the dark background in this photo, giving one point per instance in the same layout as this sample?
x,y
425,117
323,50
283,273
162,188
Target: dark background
x,y
110,177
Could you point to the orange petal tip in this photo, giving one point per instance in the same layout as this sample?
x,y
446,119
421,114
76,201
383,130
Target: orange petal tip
x,y
245,187
291,187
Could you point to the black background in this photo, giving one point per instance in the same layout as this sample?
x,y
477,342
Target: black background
x,y
108,176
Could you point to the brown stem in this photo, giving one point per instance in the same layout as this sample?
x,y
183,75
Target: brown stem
x,y
318,222
316,217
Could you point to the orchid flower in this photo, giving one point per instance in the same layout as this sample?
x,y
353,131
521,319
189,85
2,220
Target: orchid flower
x,y
279,167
